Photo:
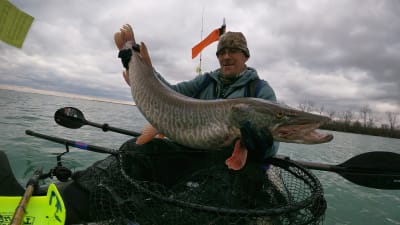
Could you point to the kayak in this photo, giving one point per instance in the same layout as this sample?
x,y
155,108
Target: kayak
x,y
41,210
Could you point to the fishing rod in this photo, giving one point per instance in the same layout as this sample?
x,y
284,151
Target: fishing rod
x,y
377,169
76,144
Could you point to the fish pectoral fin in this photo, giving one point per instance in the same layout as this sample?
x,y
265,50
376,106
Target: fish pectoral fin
x,y
238,157
145,54
160,136
148,133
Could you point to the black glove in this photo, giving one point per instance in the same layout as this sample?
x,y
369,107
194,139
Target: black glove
x,y
126,54
257,141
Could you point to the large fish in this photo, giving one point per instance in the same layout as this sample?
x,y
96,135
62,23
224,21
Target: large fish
x,y
211,124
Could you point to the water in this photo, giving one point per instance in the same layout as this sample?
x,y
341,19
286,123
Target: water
x,y
348,203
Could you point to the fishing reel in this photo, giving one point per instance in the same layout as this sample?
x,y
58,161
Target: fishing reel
x,y
61,172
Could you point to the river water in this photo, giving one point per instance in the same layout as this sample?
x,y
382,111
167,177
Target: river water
x,y
348,203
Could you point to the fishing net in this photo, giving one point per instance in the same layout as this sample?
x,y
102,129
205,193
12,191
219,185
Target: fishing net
x,y
277,191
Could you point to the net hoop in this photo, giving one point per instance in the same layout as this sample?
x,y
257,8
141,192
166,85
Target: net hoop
x,y
312,181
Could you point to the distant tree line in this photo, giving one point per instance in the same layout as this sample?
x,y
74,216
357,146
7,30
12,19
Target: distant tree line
x,y
361,122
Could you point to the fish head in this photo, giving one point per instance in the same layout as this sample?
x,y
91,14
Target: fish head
x,y
283,122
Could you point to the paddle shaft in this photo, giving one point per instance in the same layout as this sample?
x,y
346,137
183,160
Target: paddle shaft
x,y
105,127
320,166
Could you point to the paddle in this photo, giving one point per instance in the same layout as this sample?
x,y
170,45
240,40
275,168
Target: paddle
x,y
379,170
373,169
20,210
73,118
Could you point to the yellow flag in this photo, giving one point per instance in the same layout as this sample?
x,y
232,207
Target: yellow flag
x,y
14,24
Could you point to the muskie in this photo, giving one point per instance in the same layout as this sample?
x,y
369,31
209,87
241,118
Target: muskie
x,y
213,124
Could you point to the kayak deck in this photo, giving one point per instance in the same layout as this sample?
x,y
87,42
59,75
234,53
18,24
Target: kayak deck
x,y
40,210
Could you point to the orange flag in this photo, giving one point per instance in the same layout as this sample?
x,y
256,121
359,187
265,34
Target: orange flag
x,y
213,36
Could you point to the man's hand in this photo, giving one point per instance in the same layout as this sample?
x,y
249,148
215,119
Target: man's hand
x,y
257,141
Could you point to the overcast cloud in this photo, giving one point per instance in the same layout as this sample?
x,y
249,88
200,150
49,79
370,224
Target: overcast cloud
x,y
337,54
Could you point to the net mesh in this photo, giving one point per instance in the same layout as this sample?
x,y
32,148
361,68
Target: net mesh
x,y
285,194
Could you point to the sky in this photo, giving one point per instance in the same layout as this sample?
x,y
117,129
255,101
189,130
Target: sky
x,y
338,55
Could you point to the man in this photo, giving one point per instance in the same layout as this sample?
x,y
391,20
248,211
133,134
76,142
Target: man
x,y
234,79
165,162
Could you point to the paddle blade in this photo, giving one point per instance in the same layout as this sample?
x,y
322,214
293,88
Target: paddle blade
x,y
70,117
379,170
374,180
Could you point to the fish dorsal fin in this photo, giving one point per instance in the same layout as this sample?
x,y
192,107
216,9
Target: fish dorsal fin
x,y
145,54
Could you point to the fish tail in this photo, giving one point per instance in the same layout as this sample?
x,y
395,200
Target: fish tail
x,y
145,54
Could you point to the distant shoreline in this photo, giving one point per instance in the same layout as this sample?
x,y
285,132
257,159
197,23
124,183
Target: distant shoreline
x,y
63,94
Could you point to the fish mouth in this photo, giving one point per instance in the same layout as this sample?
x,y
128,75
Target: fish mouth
x,y
301,133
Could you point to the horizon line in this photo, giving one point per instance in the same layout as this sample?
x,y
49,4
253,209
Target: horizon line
x,y
26,89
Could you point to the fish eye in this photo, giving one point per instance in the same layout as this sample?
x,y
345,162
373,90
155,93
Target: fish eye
x,y
279,115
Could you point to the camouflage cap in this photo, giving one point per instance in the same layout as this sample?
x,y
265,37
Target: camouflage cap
x,y
233,40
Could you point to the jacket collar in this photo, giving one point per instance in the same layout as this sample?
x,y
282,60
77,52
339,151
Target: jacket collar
x,y
248,74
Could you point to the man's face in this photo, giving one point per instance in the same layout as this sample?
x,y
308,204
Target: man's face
x,y
232,61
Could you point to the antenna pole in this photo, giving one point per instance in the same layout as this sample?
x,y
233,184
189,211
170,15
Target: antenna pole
x,y
201,38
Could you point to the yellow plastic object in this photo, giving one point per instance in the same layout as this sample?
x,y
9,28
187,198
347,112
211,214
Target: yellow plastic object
x,y
14,24
41,210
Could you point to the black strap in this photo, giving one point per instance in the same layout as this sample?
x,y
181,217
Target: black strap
x,y
126,54
253,88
